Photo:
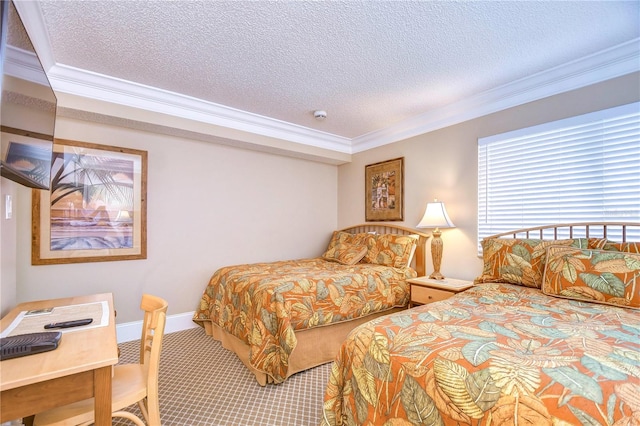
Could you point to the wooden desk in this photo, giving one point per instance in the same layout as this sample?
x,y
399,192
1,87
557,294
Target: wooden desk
x,y
79,368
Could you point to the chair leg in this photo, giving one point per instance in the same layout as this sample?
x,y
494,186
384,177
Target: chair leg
x,y
153,411
150,411
143,409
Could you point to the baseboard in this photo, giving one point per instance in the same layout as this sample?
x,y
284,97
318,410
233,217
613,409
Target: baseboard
x,y
129,331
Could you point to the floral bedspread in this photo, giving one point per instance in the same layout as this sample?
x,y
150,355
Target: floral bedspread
x,y
496,354
263,303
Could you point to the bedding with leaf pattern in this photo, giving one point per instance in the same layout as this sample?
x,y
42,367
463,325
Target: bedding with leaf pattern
x,y
496,354
264,303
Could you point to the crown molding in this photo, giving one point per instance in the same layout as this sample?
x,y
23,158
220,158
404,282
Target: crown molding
x,y
92,85
601,66
607,64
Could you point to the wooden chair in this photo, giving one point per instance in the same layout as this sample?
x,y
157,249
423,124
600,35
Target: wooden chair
x,y
132,383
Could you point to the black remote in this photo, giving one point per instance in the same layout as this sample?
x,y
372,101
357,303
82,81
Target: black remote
x,y
67,324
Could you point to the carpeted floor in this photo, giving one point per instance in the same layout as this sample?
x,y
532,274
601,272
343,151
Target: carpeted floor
x,y
201,383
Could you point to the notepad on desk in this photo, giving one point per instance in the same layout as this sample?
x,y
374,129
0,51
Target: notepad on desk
x,y
34,321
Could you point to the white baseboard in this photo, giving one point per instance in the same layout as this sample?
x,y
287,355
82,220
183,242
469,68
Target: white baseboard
x,y
129,331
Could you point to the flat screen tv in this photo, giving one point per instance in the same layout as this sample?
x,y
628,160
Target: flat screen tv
x,y
28,114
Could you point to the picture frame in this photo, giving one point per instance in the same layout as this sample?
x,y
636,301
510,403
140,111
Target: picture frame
x,y
96,207
384,191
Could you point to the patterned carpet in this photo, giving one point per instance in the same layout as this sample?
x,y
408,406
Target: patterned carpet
x,y
201,383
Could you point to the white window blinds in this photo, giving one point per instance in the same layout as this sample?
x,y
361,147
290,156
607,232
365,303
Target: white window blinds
x,y
580,169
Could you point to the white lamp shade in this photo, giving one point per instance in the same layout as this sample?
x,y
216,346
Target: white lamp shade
x,y
435,216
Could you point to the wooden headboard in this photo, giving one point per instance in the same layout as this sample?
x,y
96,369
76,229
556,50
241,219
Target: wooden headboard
x,y
418,262
616,231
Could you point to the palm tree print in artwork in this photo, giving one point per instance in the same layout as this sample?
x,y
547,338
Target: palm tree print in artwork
x,y
92,202
383,191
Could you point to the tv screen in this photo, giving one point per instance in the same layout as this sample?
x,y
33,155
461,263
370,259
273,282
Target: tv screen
x,y
28,110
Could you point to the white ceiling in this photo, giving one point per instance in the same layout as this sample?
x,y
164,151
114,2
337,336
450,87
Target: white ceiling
x,y
383,70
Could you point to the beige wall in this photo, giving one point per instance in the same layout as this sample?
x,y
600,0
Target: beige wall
x,y
208,206
443,164
213,205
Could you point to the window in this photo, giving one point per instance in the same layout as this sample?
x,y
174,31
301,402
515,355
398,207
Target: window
x,y
580,169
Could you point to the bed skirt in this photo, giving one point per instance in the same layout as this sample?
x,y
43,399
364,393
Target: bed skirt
x,y
315,346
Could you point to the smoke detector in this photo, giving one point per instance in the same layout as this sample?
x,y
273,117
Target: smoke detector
x,y
320,114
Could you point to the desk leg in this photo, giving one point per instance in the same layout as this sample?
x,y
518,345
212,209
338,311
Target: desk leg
x,y
102,392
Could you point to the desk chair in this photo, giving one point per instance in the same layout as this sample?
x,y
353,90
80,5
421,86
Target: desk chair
x,y
132,383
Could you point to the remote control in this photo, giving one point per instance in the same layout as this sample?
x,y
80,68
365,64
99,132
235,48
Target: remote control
x,y
67,324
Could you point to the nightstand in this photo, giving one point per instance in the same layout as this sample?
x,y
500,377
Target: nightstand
x,y
423,290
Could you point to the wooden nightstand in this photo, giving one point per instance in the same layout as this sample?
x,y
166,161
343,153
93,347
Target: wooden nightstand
x,y
423,290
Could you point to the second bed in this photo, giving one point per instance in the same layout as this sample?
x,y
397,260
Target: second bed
x,y
284,317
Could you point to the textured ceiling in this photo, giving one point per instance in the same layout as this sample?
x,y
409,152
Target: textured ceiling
x,y
369,64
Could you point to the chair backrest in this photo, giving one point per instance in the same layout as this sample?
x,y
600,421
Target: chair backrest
x,y
155,316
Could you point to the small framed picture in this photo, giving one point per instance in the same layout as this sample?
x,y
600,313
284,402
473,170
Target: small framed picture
x,y
384,192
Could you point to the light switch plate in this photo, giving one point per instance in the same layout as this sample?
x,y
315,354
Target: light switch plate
x,y
8,207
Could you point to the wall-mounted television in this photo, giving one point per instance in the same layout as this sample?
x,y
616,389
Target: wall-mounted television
x,y
28,110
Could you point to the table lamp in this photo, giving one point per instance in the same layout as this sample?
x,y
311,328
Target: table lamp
x,y
435,216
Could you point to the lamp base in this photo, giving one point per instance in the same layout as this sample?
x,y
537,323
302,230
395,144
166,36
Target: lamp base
x,y
436,276
436,255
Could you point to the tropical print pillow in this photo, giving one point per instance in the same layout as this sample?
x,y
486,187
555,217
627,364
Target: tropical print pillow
x,y
347,254
519,260
391,250
605,244
601,276
341,237
597,243
631,247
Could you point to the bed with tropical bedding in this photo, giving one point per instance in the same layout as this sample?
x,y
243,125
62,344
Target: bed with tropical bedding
x,y
284,317
549,334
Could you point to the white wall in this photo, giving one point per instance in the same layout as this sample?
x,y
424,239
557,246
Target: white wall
x,y
443,164
208,206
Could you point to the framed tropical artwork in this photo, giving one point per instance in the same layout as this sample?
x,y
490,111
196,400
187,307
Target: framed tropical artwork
x,y
95,209
384,192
